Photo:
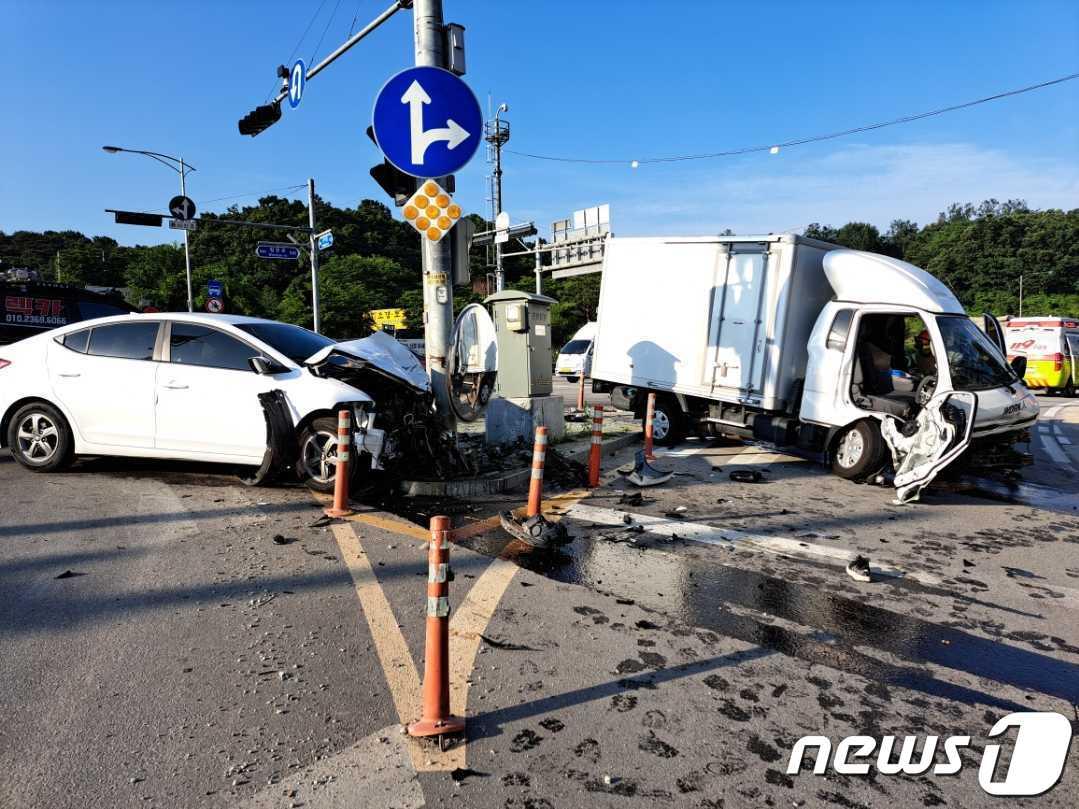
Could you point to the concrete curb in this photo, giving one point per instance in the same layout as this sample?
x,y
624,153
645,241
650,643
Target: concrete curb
x,y
504,481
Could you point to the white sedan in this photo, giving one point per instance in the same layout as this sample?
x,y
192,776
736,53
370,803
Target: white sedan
x,y
187,386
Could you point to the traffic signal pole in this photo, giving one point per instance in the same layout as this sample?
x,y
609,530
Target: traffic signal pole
x,y
312,243
187,244
437,269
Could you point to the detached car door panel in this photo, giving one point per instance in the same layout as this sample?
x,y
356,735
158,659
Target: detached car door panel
x,y
104,376
207,395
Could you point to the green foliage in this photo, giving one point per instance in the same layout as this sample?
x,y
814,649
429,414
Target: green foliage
x,y
978,250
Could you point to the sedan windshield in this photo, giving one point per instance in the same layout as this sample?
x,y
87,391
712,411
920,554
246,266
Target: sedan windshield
x,y
974,362
294,342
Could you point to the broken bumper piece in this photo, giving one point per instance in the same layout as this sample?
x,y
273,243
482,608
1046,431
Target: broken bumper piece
x,y
538,531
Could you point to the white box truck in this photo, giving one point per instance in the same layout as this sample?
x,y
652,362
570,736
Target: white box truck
x,y
835,352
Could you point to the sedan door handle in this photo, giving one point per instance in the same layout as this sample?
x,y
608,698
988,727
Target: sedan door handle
x,y
174,386
69,376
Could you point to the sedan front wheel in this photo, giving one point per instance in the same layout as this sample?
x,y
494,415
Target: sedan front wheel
x,y
317,464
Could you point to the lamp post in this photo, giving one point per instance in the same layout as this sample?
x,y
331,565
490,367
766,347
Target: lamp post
x,y
178,165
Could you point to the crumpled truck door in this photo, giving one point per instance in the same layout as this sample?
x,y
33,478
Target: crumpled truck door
x,y
940,434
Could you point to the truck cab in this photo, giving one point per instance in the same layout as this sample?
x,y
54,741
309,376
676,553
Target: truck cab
x,y
893,340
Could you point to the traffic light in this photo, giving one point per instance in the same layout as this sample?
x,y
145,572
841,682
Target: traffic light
x,y
133,218
394,182
260,118
460,244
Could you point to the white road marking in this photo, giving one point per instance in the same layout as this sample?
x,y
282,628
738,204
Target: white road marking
x,y
729,538
1053,450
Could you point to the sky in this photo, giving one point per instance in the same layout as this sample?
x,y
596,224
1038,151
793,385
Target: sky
x,y
604,79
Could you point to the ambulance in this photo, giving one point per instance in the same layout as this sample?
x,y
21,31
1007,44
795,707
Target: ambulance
x,y
1051,346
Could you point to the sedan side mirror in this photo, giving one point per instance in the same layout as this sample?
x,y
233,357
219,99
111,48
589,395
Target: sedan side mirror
x,y
1019,365
265,366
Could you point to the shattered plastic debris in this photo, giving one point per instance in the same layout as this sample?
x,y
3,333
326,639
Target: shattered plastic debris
x,y
507,645
644,474
858,569
68,574
538,531
281,539
634,499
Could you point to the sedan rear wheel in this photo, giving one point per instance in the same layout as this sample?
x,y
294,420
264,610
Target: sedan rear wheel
x,y
40,438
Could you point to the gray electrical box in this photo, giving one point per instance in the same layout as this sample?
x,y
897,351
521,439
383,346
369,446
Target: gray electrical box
x,y
523,328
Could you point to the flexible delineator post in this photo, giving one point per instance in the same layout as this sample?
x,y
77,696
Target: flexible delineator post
x,y
340,483
436,719
535,488
650,413
597,442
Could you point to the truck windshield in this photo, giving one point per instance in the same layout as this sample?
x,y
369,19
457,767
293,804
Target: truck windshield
x,y
973,360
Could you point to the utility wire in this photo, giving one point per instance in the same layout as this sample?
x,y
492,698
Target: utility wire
x,y
255,193
295,48
324,30
801,141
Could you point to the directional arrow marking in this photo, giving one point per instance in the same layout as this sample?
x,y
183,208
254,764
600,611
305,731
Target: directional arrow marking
x,y
453,133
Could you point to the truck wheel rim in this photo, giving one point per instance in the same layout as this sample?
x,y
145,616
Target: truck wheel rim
x,y
319,456
661,425
851,447
38,438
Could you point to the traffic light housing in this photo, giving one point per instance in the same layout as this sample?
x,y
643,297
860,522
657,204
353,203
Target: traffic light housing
x,y
394,182
260,119
135,218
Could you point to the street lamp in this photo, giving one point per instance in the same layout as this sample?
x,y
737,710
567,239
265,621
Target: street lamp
x,y
178,165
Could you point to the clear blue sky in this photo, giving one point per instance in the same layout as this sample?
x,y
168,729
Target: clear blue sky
x,y
583,79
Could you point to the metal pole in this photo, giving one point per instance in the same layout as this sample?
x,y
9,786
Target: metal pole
x,y
1020,294
539,268
187,244
500,274
314,251
437,274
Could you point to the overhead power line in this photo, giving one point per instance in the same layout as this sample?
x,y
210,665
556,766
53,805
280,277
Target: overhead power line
x,y
777,145
255,193
299,42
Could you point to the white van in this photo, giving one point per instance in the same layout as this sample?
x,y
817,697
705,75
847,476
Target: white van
x,y
575,358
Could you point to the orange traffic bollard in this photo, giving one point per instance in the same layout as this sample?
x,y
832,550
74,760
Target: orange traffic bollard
x,y
437,719
597,441
580,392
650,413
535,488
340,484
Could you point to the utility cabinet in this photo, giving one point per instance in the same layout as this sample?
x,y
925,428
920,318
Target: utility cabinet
x,y
523,331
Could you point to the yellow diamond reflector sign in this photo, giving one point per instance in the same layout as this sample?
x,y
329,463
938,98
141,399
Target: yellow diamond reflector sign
x,y
432,211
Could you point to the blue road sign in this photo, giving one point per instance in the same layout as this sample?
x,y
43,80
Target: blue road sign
x,y
213,288
297,78
277,250
325,240
427,122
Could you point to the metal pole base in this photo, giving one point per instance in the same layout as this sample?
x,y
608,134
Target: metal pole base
x,y
437,727
338,512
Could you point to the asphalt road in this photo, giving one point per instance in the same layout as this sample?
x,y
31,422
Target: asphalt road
x,y
185,658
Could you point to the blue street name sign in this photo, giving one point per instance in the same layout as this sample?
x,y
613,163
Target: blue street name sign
x,y
277,250
427,122
214,289
325,240
297,80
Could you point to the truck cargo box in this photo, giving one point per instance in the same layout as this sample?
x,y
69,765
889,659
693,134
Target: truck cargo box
x,y
720,317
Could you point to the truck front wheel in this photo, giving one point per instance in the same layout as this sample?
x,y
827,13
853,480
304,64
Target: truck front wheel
x,y
859,451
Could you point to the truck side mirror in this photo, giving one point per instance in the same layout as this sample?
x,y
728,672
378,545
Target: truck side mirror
x,y
1019,365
